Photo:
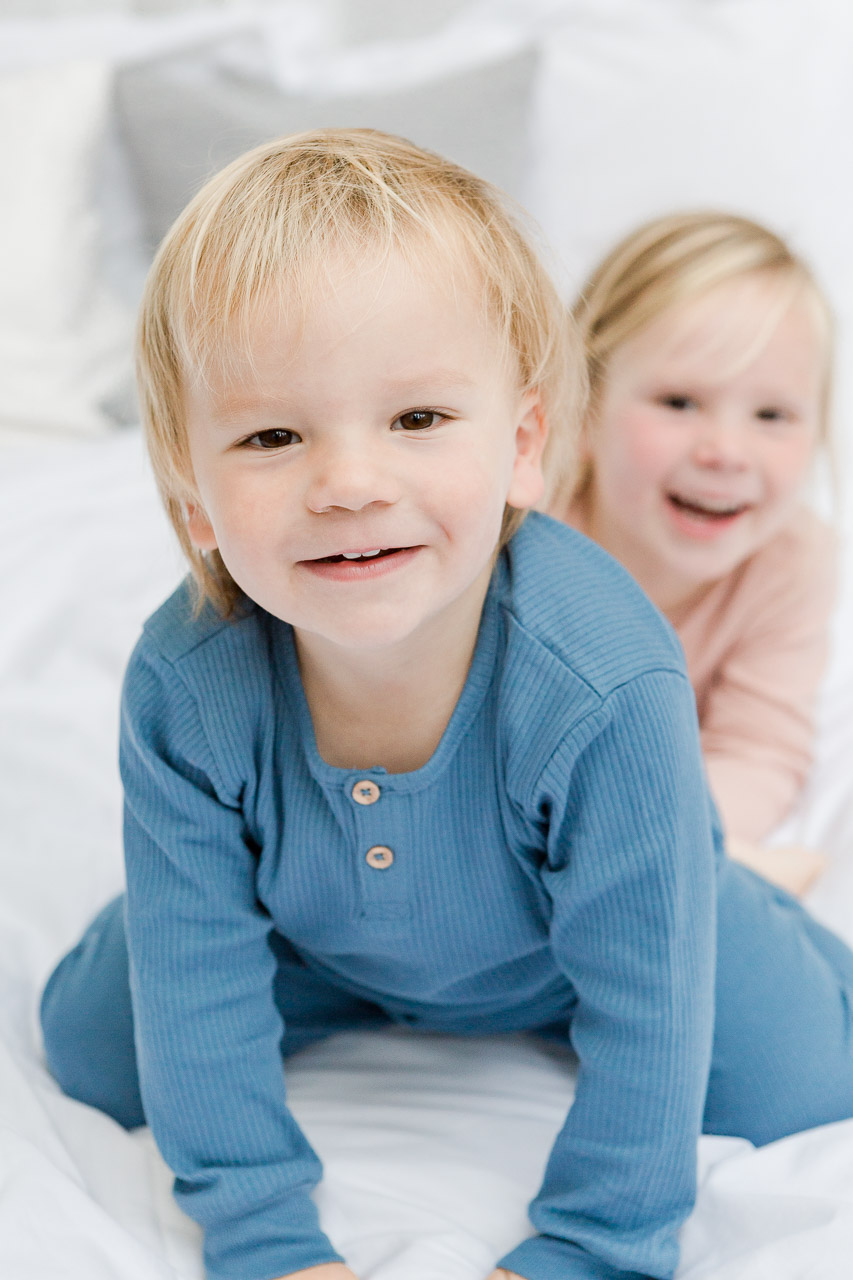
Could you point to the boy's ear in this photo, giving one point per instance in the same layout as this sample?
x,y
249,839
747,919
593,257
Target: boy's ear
x,y
199,528
527,485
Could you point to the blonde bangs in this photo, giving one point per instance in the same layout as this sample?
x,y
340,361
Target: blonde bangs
x,y
673,260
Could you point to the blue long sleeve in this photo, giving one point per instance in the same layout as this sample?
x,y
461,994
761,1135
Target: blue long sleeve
x,y
630,877
208,1032
552,864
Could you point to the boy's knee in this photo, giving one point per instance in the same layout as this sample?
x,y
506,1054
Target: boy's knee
x,y
87,1024
54,1021
765,1109
783,1040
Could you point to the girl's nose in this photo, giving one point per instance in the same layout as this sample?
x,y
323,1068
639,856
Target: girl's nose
x,y
721,443
350,477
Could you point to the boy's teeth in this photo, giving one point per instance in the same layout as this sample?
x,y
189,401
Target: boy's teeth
x,y
358,555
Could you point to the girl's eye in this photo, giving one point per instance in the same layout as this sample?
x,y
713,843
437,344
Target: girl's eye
x,y
274,438
417,420
771,414
680,403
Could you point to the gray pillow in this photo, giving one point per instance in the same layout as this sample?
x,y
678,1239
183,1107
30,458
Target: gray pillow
x,y
186,115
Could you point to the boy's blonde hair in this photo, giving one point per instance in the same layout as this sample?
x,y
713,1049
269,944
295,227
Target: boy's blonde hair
x,y
674,260
270,224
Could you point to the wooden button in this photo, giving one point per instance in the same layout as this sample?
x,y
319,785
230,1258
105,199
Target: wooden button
x,y
379,857
365,792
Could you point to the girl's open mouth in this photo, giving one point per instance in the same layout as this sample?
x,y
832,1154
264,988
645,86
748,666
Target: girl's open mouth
x,y
704,518
707,510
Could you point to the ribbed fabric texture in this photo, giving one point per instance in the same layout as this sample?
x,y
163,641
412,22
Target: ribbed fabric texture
x,y
552,863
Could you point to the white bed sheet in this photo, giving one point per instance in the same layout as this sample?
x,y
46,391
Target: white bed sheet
x,y
432,1146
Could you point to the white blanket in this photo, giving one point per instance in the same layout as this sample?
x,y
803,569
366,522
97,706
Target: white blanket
x,y
432,1147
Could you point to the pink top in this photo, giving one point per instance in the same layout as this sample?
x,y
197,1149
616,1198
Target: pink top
x,y
756,645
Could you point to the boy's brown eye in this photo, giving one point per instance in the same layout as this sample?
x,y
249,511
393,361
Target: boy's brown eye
x,y
418,419
275,438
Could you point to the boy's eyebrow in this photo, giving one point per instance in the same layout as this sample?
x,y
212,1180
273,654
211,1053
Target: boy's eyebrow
x,y
230,407
442,377
226,409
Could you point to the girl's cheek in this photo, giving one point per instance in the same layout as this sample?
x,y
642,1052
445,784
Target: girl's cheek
x,y
791,467
795,480
640,445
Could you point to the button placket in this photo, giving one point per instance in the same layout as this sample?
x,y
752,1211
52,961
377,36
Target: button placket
x,y
379,856
382,884
365,791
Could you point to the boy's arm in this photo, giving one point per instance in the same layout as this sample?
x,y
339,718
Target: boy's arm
x,y
630,877
207,1029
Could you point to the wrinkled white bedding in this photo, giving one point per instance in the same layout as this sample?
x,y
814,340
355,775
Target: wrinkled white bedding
x,y
432,1147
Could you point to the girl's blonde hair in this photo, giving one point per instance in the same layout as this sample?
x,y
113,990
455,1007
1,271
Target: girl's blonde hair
x,y
270,224
674,260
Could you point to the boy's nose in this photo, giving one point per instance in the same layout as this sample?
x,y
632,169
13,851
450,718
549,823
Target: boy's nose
x,y
350,478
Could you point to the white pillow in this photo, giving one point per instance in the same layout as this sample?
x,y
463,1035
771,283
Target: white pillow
x,y
185,114
64,340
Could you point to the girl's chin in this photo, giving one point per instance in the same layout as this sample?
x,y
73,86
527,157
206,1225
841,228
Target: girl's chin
x,y
700,566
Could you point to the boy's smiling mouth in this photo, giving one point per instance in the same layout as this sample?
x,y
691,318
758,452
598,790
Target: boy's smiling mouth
x,y
355,566
361,555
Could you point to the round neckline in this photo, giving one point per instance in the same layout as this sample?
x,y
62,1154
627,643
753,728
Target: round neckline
x,y
467,706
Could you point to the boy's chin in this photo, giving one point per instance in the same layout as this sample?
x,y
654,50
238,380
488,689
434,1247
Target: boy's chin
x,y
357,637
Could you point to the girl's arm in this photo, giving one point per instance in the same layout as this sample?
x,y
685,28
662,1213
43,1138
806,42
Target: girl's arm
x,y
630,876
207,1029
757,719
793,867
326,1271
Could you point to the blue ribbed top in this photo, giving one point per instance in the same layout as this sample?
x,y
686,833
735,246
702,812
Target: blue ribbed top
x,y
553,861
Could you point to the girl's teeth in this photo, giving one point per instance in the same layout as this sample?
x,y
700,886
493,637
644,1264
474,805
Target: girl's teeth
x,y
705,507
358,555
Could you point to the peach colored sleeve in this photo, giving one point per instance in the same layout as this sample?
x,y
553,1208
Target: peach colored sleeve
x,y
757,724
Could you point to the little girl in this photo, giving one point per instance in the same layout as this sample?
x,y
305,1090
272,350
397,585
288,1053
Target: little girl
x,y
708,347
400,757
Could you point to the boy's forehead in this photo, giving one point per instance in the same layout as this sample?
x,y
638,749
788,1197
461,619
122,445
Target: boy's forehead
x,y
344,302
233,398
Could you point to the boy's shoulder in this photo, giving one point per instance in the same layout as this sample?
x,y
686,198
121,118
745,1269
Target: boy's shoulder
x,y
193,667
178,628
570,597
201,687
